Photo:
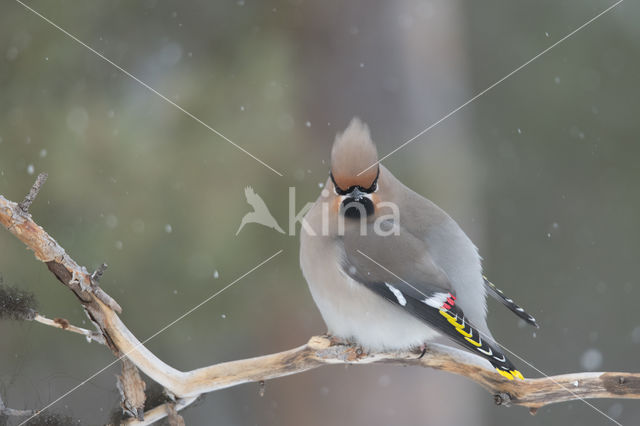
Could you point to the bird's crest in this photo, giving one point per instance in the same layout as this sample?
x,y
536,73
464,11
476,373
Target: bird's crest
x,y
353,151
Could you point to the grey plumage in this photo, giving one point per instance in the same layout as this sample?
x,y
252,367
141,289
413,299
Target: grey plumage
x,y
399,288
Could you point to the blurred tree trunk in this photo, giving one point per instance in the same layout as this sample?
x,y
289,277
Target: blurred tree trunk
x,y
400,66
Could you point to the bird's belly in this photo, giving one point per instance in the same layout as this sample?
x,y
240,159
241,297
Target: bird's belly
x,y
354,313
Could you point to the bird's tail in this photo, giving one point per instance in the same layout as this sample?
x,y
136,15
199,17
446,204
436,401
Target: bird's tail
x,y
497,294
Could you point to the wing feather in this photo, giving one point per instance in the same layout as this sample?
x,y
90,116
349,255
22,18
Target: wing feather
x,y
438,310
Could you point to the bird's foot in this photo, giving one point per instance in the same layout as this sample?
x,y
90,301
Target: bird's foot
x,y
336,341
355,351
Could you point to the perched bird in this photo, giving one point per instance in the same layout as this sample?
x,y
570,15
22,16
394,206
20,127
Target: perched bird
x,y
390,270
260,213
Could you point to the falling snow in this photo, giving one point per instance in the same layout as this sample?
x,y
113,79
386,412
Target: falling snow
x,y
216,275
112,221
170,54
30,169
168,228
615,410
591,359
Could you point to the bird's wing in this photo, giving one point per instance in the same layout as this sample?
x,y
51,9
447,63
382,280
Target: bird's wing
x,y
497,294
424,292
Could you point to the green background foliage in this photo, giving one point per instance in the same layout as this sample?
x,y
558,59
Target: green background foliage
x,y
542,172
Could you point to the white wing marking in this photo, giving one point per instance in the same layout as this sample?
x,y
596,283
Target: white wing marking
x,y
487,353
397,293
436,300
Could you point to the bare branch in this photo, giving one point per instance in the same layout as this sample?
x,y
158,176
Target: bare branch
x,y
97,275
66,325
174,418
319,351
105,298
131,387
33,192
160,412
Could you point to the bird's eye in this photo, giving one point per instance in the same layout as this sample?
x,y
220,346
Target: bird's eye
x,y
339,191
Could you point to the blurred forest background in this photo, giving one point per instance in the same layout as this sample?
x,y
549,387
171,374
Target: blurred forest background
x,y
542,172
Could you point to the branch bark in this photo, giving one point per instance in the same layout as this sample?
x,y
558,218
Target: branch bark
x,y
66,325
185,387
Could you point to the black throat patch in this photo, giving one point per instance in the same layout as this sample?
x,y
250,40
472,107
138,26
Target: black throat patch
x,y
355,209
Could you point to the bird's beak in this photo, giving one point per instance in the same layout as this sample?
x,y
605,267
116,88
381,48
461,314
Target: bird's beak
x,y
356,194
356,203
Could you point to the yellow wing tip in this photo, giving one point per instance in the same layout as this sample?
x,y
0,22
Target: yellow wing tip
x,y
473,342
447,316
464,333
517,374
511,375
505,374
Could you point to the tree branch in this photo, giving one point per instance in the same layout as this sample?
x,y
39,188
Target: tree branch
x,y
33,193
66,325
319,351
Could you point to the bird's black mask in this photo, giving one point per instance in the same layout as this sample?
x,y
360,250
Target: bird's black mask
x,y
357,204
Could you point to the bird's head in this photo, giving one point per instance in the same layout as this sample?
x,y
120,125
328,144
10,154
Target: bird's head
x,y
354,171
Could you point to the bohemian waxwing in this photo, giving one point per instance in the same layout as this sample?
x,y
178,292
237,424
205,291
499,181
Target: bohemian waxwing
x,y
390,270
